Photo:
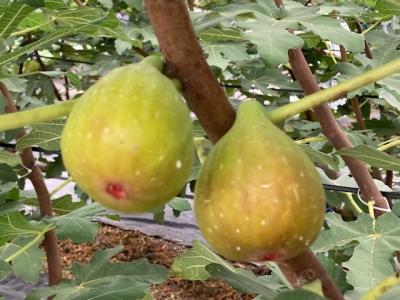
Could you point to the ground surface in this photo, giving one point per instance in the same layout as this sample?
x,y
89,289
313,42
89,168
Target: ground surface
x,y
156,250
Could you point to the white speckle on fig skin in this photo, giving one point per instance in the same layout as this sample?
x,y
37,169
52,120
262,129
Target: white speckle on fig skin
x,y
275,200
178,164
237,230
265,186
137,173
209,230
263,223
221,166
89,135
301,174
296,195
238,248
215,226
221,215
161,158
247,218
106,130
301,238
259,167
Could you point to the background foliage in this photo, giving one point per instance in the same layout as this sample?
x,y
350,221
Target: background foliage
x,y
53,50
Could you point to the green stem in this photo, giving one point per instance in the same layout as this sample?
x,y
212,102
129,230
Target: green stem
x,y
284,112
51,112
394,143
382,288
310,140
29,245
371,27
353,203
371,204
156,60
61,186
35,115
30,29
389,141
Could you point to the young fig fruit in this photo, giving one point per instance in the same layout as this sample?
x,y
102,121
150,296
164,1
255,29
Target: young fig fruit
x,y
258,196
128,141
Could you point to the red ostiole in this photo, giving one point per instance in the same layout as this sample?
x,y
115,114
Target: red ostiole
x,y
116,190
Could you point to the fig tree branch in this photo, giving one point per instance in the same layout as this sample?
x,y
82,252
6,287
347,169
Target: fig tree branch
x,y
332,129
44,68
355,103
185,60
36,177
173,28
333,93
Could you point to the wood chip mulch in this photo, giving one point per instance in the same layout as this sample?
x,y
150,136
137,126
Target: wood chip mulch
x,y
158,251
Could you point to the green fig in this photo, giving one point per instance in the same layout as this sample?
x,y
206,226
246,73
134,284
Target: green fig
x,y
31,66
258,196
128,141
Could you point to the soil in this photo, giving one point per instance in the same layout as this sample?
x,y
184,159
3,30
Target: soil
x,y
159,251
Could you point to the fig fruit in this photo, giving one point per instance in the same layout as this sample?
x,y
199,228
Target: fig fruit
x,y
128,141
31,66
258,196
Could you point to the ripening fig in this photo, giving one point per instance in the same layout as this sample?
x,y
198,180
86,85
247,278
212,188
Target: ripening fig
x,y
258,196
128,141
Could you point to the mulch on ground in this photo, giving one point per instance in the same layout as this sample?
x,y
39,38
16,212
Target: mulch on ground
x,y
158,251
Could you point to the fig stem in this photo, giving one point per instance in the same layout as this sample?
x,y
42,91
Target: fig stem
x,y
35,115
340,90
61,186
389,145
382,288
155,60
54,111
353,203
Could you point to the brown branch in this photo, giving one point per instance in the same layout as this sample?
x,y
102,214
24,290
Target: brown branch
x,y
343,53
367,49
36,177
355,104
66,81
307,269
337,137
389,178
190,4
333,131
185,60
44,68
